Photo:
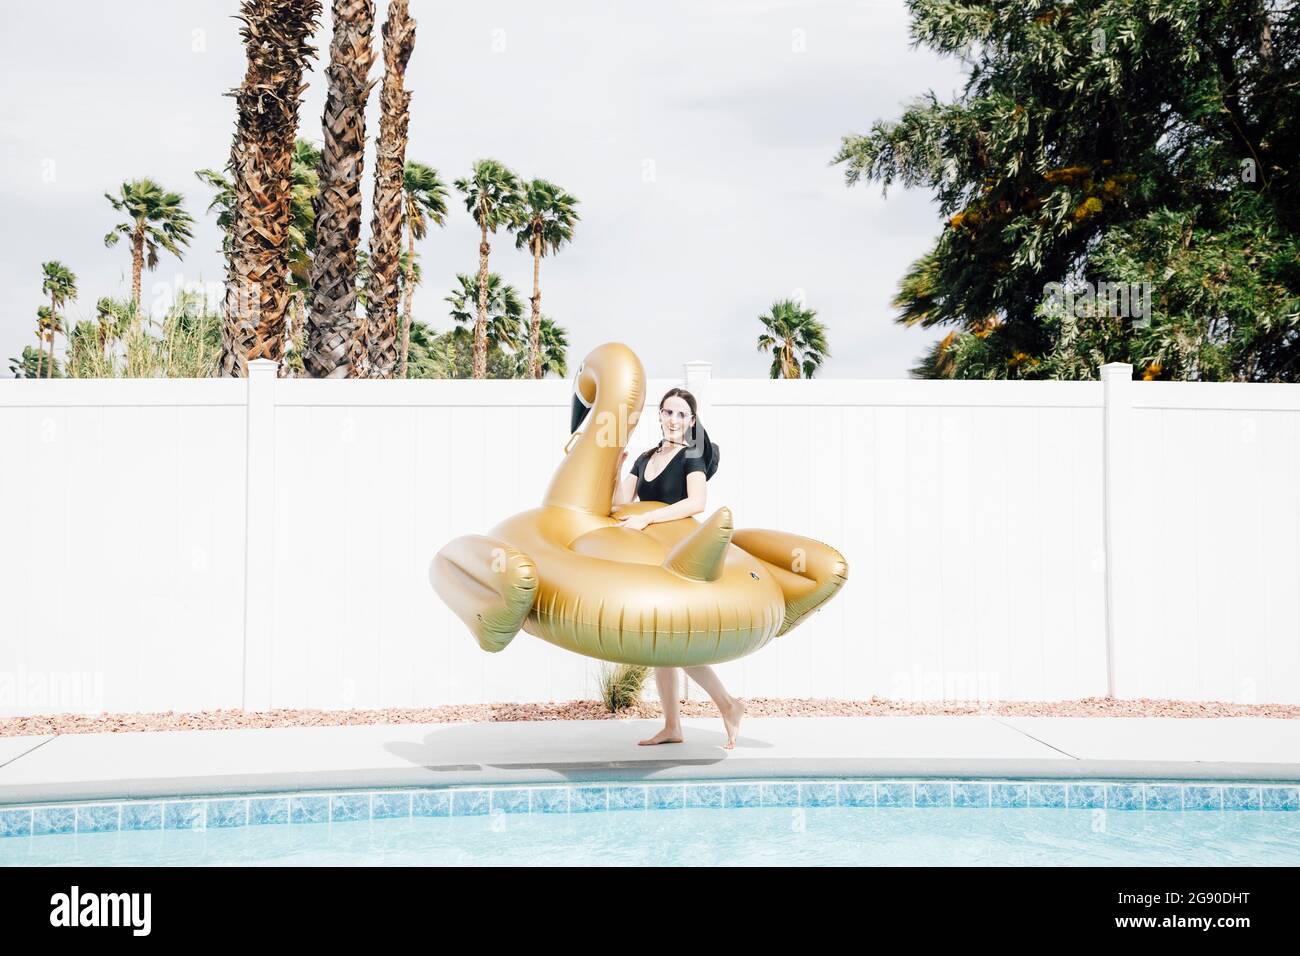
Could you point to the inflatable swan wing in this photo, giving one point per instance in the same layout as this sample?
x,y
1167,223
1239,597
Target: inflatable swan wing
x,y
679,593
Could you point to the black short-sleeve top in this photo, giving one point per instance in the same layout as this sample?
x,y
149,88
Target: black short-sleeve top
x,y
669,486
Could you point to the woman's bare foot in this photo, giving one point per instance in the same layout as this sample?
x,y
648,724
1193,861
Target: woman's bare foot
x,y
731,720
664,736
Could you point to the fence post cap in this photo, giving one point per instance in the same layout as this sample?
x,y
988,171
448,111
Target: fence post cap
x,y
263,366
1116,370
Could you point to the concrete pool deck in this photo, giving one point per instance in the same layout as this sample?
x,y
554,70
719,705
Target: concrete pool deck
x,y
100,766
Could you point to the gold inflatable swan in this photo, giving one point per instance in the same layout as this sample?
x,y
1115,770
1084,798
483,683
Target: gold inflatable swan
x,y
679,593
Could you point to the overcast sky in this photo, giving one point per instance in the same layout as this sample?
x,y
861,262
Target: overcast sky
x,y
696,135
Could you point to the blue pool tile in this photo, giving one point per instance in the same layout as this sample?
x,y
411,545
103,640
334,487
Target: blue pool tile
x,y
969,794
230,812
268,810
1241,798
469,803
142,816
183,815
665,798
1047,795
387,806
1164,796
707,795
430,803
99,818
742,795
817,794
932,793
15,823
1280,798
627,798
893,794
349,806
309,809
53,820
511,800
1087,796
857,793
780,794
588,799
550,800
1198,797
1123,796
1009,795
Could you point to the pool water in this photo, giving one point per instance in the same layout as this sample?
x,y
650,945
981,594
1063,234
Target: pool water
x,y
714,835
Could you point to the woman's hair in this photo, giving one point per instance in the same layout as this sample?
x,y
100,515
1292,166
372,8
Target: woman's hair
x,y
698,439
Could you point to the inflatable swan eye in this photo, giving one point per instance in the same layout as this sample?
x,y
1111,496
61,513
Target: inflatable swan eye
x,y
680,593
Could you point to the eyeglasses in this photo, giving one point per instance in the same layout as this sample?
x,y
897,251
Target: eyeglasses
x,y
671,413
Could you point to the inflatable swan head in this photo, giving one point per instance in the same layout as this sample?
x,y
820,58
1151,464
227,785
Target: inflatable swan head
x,y
679,593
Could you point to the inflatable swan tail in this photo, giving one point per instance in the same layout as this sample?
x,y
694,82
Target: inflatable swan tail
x,y
808,571
488,584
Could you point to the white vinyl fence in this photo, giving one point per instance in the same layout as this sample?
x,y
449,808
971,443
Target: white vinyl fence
x,y
198,544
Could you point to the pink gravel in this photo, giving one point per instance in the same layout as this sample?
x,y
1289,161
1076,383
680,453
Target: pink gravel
x,y
593,710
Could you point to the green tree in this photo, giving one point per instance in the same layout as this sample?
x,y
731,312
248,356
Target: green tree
x,y
60,284
426,201
549,217
500,313
493,198
155,220
796,339
1105,141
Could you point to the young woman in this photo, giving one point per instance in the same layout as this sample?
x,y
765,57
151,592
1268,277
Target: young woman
x,y
675,472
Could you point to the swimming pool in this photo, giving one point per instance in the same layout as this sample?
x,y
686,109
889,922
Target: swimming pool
x,y
824,821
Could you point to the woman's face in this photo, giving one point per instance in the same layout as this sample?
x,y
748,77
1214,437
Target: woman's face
x,y
675,418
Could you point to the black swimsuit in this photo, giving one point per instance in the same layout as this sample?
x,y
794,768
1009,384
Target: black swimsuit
x,y
669,486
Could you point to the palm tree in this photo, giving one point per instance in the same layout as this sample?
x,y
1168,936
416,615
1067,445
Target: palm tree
x,y
43,318
381,351
502,320
114,319
426,200
48,323
492,197
258,292
332,327
155,220
554,348
302,229
548,224
795,338
61,286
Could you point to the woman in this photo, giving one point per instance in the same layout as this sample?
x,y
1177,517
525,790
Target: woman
x,y
675,472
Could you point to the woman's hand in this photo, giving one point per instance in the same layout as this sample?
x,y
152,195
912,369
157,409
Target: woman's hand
x,y
637,522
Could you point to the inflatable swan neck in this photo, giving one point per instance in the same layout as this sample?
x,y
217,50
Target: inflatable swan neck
x,y
611,382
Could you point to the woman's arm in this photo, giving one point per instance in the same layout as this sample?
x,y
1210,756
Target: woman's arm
x,y
696,496
625,490
624,485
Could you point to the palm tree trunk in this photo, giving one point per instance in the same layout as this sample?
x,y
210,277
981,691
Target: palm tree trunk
x,y
409,296
333,337
390,202
137,265
40,351
480,322
275,35
535,331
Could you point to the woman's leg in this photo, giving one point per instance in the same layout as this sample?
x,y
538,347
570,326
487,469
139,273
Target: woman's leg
x,y
731,708
669,688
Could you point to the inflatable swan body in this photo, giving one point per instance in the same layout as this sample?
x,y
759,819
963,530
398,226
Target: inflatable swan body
x,y
679,593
